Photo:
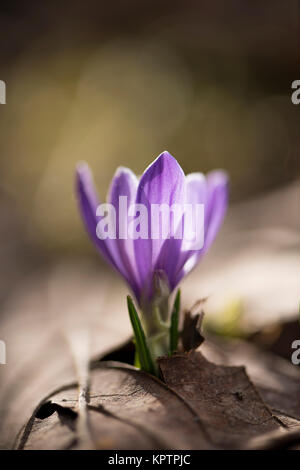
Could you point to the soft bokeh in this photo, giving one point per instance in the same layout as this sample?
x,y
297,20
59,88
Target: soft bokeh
x,y
116,84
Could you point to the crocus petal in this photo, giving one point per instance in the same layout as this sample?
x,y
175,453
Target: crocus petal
x,y
196,193
124,185
175,252
163,182
195,188
217,193
88,203
166,257
213,193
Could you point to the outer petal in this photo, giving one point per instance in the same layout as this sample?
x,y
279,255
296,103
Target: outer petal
x,y
179,253
196,193
195,188
124,185
163,182
213,193
88,203
217,193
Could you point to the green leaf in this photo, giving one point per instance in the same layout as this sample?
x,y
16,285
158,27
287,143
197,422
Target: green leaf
x,y
142,349
174,324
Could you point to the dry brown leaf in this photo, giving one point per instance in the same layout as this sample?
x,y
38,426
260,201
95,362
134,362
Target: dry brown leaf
x,y
200,405
127,409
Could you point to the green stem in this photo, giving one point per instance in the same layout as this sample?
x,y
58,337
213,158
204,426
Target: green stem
x,y
141,345
174,335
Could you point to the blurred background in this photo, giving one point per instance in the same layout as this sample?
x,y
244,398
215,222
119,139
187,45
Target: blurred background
x,y
116,83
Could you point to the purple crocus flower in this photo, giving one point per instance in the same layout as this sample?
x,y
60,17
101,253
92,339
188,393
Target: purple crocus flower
x,y
153,267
